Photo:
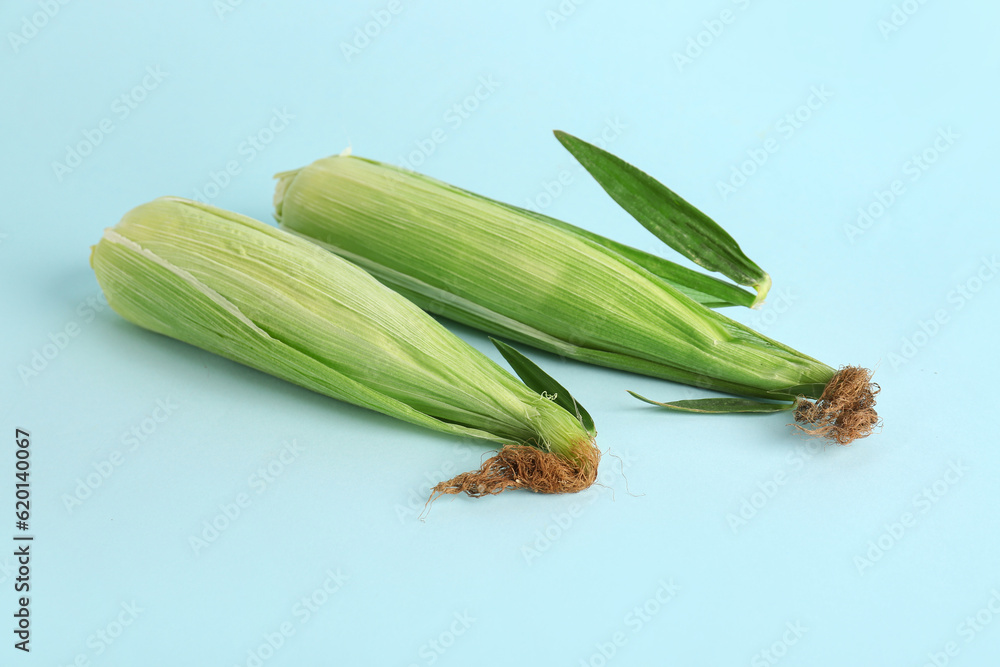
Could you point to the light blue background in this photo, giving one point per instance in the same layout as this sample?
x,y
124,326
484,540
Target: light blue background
x,y
341,504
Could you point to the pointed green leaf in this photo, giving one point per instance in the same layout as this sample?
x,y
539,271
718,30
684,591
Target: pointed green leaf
x,y
719,405
672,219
543,383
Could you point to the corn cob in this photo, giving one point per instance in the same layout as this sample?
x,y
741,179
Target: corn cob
x,y
254,294
540,281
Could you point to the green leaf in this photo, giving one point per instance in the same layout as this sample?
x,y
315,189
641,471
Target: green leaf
x,y
672,219
543,383
719,405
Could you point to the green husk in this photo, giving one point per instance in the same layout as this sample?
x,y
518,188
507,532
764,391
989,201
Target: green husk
x,y
254,294
525,277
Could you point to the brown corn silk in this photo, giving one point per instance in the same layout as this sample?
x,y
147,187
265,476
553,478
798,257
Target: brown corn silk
x,y
845,411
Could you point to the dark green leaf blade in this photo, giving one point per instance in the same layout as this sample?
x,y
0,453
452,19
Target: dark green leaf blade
x,y
671,218
540,381
719,406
